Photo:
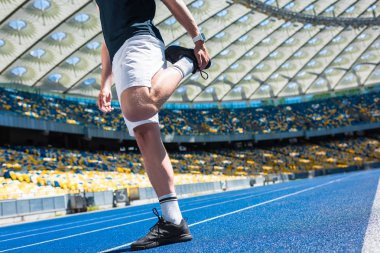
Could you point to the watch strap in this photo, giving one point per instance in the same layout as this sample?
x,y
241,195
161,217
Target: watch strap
x,y
201,37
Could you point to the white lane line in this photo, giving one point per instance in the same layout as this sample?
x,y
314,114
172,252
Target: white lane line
x,y
128,210
242,209
233,200
116,248
74,235
138,221
204,198
59,225
219,197
372,236
265,202
78,226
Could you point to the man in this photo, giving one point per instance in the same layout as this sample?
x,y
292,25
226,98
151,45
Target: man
x,y
134,55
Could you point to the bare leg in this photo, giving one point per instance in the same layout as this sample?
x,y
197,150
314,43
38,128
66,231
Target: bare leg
x,y
156,159
141,103
164,83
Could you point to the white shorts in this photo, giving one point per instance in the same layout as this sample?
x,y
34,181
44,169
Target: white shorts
x,y
135,64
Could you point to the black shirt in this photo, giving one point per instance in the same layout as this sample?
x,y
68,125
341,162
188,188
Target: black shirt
x,y
123,19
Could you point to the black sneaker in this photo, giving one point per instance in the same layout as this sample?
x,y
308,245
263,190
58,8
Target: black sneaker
x,y
162,233
175,53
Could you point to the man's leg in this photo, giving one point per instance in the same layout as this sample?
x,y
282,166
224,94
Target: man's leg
x,y
156,159
159,169
171,227
140,103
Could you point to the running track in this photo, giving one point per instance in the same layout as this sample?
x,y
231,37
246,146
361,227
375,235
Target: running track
x,y
337,213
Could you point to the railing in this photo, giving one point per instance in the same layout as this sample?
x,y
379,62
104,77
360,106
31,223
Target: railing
x,y
15,121
285,14
19,207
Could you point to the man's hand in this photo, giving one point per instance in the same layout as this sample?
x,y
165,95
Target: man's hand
x,y
183,15
104,100
105,94
202,55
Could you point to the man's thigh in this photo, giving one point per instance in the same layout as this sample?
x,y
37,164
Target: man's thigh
x,y
134,97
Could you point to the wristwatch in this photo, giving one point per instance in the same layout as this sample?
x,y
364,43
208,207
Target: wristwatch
x,y
201,37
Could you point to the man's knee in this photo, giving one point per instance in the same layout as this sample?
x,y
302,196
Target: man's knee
x,y
139,113
137,105
131,114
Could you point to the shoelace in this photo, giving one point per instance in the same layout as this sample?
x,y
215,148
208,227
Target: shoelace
x,y
160,220
205,77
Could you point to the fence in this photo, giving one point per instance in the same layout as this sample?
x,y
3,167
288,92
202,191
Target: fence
x,y
12,120
12,208
148,193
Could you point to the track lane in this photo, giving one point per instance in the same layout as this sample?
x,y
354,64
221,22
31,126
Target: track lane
x,y
122,234
262,191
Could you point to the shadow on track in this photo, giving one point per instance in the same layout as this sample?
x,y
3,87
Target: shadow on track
x,y
120,250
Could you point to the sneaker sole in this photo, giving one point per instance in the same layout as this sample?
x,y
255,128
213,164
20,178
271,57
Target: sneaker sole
x,y
186,52
183,238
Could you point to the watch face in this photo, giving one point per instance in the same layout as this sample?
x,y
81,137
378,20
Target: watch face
x,y
203,37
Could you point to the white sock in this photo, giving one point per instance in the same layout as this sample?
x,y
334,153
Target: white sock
x,y
170,208
185,66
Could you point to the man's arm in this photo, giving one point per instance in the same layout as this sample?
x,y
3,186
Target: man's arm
x,y
183,15
106,79
105,95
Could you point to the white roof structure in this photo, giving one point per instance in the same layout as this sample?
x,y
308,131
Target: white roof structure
x,y
54,46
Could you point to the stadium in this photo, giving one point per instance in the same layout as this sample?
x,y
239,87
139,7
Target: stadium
x,y
277,150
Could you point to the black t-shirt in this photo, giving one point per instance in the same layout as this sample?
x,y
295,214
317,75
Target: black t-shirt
x,y
123,19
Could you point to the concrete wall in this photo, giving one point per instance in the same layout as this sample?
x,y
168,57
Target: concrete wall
x,y
12,211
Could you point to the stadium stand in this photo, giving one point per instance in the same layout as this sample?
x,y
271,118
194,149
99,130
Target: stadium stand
x,y
31,171
325,113
29,168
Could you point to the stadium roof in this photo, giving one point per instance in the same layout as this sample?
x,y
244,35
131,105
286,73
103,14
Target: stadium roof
x,y
55,46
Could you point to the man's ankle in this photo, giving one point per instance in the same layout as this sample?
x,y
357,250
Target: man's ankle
x,y
170,208
185,66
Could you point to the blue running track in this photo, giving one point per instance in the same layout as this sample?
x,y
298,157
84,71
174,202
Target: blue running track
x,y
325,214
